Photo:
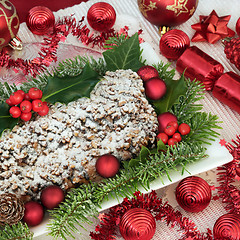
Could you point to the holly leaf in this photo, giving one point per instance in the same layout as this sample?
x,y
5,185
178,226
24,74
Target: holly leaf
x,y
175,89
125,56
67,89
6,121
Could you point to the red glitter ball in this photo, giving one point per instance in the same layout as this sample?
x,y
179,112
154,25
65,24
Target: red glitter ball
x,y
137,224
147,72
227,227
193,194
173,43
101,16
40,20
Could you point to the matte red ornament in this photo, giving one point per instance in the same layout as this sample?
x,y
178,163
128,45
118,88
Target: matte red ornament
x,y
164,119
52,196
101,16
227,227
107,166
238,27
193,194
33,214
146,72
40,20
173,43
137,224
9,22
155,88
167,12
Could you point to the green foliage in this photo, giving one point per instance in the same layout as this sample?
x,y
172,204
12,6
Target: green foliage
x,y
14,232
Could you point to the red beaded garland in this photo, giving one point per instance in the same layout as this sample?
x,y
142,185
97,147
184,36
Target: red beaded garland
x,y
193,194
173,43
40,20
137,224
101,16
227,227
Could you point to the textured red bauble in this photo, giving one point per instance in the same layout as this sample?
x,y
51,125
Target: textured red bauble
x,y
147,72
173,43
167,12
238,27
137,224
101,16
193,194
52,196
107,166
40,20
227,227
33,214
9,22
164,119
155,88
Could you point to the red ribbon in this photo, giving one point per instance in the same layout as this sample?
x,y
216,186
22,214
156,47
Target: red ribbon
x,y
212,28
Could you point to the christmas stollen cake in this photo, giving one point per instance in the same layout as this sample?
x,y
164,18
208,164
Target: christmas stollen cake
x,y
62,147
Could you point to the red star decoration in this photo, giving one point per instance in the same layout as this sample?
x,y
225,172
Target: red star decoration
x,y
212,28
222,142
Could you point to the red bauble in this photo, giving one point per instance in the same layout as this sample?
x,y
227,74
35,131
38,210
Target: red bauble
x,y
164,119
227,227
238,27
101,16
33,214
52,196
193,194
167,12
173,43
9,22
155,88
147,72
40,20
107,166
137,223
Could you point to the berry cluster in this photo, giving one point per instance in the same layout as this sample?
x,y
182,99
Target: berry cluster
x,y
23,104
173,133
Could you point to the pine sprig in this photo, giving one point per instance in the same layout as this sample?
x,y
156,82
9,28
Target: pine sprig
x,y
19,231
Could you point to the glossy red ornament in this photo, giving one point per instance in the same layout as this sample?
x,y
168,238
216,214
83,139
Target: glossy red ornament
x,y
193,194
227,227
137,224
164,119
52,196
101,16
9,22
146,72
167,12
173,43
107,166
40,20
33,214
238,27
155,88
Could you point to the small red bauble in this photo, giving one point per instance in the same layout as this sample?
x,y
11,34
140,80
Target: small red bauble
x,y
107,166
37,105
238,27
15,112
40,20
167,12
9,22
155,88
163,137
16,98
147,72
26,116
184,129
164,119
137,223
26,106
101,16
33,214
173,43
227,227
52,196
193,194
35,93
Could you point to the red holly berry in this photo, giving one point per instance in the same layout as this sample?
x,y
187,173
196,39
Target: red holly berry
x,y
184,129
15,112
172,142
155,88
174,124
147,72
37,105
21,92
27,97
164,119
9,102
35,93
177,136
44,110
163,137
16,98
169,130
26,116
26,106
